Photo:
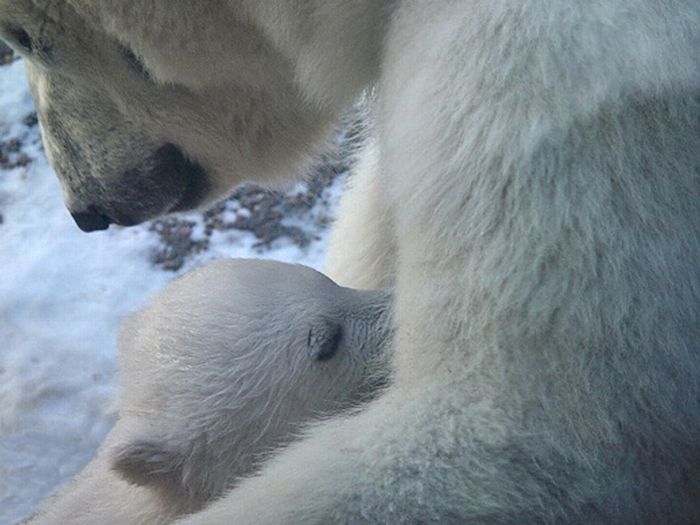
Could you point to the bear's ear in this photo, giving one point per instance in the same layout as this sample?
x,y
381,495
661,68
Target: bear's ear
x,y
324,338
149,463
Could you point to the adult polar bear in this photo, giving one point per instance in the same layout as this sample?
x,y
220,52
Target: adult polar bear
x,y
540,161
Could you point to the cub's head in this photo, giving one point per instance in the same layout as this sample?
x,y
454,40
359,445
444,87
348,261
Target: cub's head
x,y
150,110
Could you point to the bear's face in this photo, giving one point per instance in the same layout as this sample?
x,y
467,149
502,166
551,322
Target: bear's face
x,y
130,137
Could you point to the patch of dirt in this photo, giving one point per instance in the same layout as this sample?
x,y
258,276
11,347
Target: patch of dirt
x,y
11,155
176,243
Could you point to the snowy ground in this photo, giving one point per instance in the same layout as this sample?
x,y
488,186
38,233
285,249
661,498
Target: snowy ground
x,y
63,294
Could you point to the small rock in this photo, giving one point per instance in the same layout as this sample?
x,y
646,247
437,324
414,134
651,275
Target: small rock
x,y
12,156
31,120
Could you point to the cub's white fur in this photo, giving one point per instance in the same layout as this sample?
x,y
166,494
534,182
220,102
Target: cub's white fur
x,y
540,176
222,367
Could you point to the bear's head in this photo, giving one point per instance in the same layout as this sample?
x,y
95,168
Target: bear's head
x,y
166,118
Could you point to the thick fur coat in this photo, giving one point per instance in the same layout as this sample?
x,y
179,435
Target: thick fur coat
x,y
539,174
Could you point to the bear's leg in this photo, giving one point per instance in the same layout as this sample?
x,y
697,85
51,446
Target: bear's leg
x,y
373,468
362,250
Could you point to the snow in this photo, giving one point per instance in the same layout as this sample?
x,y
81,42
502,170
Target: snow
x,y
63,295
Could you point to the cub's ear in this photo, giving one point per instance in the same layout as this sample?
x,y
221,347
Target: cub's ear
x,y
149,463
324,339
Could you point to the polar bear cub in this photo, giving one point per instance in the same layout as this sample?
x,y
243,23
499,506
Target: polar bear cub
x,y
219,369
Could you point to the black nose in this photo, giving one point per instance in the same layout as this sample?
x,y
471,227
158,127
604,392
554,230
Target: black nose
x,y
91,220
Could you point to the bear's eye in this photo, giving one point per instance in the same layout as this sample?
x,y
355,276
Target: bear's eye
x,y
134,62
21,38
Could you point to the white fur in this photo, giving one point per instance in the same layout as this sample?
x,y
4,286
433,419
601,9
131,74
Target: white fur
x,y
539,165
104,117
542,161
222,367
362,249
